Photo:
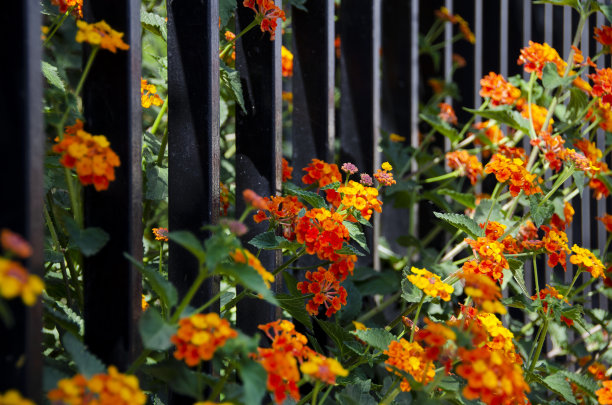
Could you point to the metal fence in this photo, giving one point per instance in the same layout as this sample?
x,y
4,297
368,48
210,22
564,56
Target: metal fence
x,y
380,81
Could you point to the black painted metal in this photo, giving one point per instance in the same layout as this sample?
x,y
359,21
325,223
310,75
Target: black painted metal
x,y
359,88
111,102
258,142
21,176
313,84
193,137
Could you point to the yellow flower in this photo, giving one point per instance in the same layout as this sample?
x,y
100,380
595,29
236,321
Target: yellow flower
x,y
386,166
585,259
13,397
430,284
102,35
244,256
323,368
396,138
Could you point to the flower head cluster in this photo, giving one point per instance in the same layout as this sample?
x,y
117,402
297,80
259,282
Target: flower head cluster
x,y
607,221
321,173
495,87
603,35
604,394
323,233
587,261
536,56
112,388
102,35
551,292
485,293
281,359
602,84
411,358
253,199
555,244
13,397
499,337
430,284
514,171
434,338
445,15
538,115
325,286
552,146
349,168
467,164
447,114
266,13
90,155
224,199
491,131
199,336
568,216
491,377
14,244
15,281
287,170
281,211
287,62
353,194
76,7
246,257
489,253
161,234
148,94
594,155
384,176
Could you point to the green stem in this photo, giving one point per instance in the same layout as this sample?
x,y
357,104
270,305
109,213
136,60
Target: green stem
x,y
315,392
138,362
393,392
472,119
57,25
57,247
540,344
199,381
567,172
495,196
160,115
305,398
567,294
450,175
213,299
162,148
536,338
379,308
416,316
582,287
221,383
233,41
74,199
327,391
189,296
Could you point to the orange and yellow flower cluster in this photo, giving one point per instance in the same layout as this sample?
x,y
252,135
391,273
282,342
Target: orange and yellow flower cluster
x,y
514,171
102,35
199,336
148,94
430,284
411,358
75,7
15,281
13,397
496,88
266,14
468,165
246,257
90,155
112,388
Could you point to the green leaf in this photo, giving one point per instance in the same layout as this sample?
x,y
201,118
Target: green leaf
x,y
571,3
178,377
349,250
50,73
356,234
294,305
354,394
361,219
313,199
466,199
375,337
551,79
156,183
249,278
269,241
332,186
155,332
441,126
253,378
86,363
336,332
410,292
516,267
540,213
162,287
154,24
89,241
226,10
298,4
579,180
587,384
230,78
558,384
606,9
463,223
503,115
189,242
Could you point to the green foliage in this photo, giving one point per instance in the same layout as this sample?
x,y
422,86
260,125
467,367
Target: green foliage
x,y
463,223
155,332
540,211
230,80
52,76
441,126
85,362
188,241
88,241
294,305
307,197
154,23
375,337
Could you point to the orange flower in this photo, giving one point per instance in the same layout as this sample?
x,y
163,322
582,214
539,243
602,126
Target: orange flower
x,y
161,234
16,281
445,15
538,115
568,214
224,199
491,377
603,35
598,371
607,221
102,35
515,172
491,131
436,85
199,336
322,173
490,258
90,155
602,84
148,94
409,357
15,244
322,232
266,14
75,7
323,368
254,199
496,88
287,62
467,164
552,146
356,195
143,303
246,257
326,289
551,292
384,176
287,170
604,394
464,27
112,388
484,292
587,261
281,211
396,138
447,113
13,397
430,284
536,56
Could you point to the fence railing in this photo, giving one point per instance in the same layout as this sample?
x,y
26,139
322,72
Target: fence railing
x,y
378,66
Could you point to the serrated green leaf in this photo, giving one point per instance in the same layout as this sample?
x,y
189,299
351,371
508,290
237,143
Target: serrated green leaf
x,y
558,384
226,10
606,10
516,267
154,24
156,183
269,240
441,126
188,241
356,234
162,287
551,79
353,394
361,219
463,223
466,199
375,337
86,363
587,384
154,331
313,199
540,213
571,3
337,333
295,306
253,378
579,180
178,377
410,292
349,250
50,73
299,4
503,115
230,78
332,186
89,241
249,278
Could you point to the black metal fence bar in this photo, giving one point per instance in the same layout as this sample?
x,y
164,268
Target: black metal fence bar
x,y
111,103
258,143
313,123
21,176
193,137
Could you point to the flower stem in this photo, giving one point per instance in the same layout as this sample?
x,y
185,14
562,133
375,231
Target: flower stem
x,y
540,344
393,392
189,296
57,25
416,317
379,308
450,175
233,41
160,115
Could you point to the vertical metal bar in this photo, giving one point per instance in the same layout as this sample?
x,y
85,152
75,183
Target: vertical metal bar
x,y
313,83
21,175
360,88
526,32
414,79
111,105
548,24
448,59
258,142
503,38
193,132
